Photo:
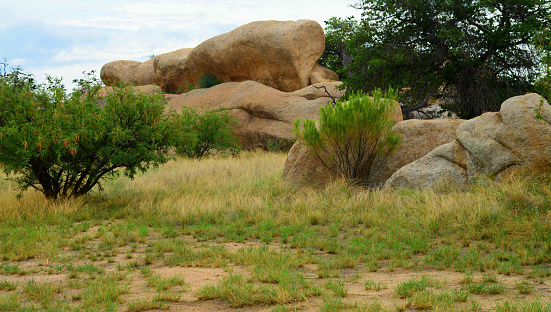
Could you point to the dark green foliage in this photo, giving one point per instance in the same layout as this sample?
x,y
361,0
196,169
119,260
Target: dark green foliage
x,y
206,132
471,54
543,44
338,32
353,137
65,144
208,80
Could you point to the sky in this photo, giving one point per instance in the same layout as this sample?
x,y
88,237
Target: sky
x,y
66,37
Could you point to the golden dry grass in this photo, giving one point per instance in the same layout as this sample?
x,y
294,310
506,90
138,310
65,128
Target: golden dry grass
x,y
146,223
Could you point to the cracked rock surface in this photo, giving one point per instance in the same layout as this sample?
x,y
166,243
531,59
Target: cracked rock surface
x,y
493,145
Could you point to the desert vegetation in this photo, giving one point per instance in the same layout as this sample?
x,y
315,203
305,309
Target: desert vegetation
x,y
354,136
187,232
65,144
437,49
227,233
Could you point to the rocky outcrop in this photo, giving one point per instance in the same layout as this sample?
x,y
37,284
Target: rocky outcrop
x,y
265,115
492,145
168,68
131,72
419,137
281,55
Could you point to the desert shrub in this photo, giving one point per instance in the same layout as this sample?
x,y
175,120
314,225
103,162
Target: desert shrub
x,y
354,136
63,144
208,132
208,80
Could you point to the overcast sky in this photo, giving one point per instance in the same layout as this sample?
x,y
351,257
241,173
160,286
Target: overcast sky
x,y
66,37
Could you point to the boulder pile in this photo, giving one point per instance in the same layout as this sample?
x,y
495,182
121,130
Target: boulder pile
x,y
492,145
265,115
269,74
273,53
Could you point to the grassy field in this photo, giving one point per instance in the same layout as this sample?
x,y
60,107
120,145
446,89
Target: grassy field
x,y
226,234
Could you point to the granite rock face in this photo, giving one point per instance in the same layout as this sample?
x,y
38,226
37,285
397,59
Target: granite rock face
x,y
281,55
265,115
492,145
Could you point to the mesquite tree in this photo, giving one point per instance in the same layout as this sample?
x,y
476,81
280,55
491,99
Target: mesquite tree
x,y
471,54
63,145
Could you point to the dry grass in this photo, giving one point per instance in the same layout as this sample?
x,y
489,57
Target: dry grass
x,y
191,213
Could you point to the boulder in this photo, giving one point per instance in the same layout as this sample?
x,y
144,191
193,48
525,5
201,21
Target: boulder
x,y
492,145
419,137
131,72
117,71
148,89
265,115
430,170
167,68
301,168
145,73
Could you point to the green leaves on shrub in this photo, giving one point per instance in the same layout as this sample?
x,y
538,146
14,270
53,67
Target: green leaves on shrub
x,y
353,137
205,133
542,42
64,145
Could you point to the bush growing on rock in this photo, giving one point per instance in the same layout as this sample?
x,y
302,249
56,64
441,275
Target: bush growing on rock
x,y
353,137
208,80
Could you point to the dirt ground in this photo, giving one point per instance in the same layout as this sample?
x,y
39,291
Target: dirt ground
x,y
354,281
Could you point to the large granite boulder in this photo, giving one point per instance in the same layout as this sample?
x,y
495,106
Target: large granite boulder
x,y
265,115
491,145
419,137
131,72
281,55
168,68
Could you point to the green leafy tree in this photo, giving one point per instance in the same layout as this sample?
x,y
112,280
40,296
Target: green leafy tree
x,y
543,44
471,54
64,145
338,33
354,136
209,132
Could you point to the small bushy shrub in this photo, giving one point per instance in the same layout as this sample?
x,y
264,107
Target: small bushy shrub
x,y
353,137
65,144
205,133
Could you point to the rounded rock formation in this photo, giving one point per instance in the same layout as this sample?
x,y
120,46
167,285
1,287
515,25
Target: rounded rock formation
x,y
278,54
492,145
